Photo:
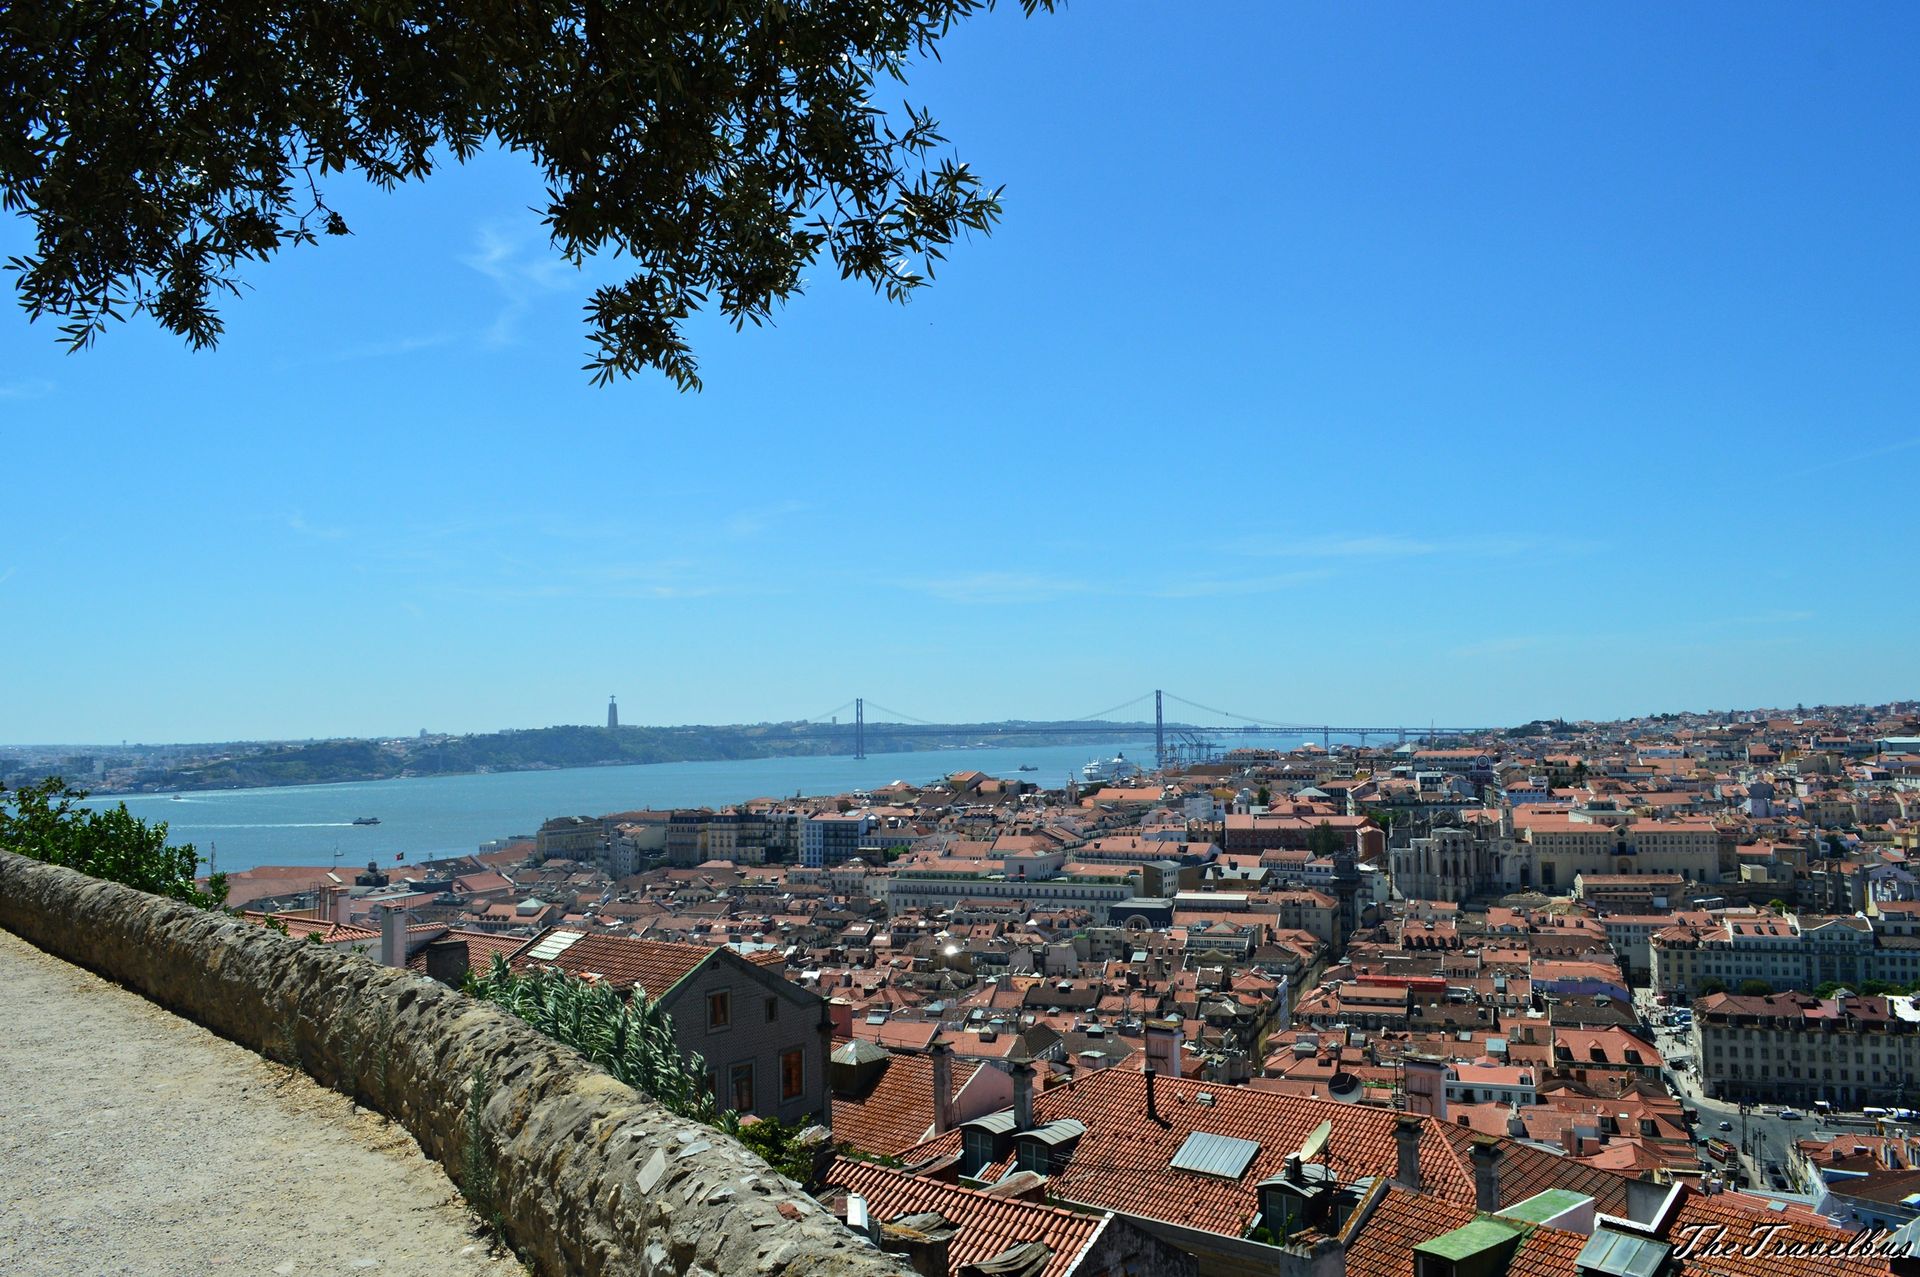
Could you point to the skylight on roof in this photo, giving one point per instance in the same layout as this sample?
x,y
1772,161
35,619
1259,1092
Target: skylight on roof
x,y
1612,1254
556,943
1220,1155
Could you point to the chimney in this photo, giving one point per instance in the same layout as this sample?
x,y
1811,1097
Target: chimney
x,y
1406,1139
1153,1111
926,1249
1163,1042
942,1087
447,960
393,938
1486,1174
1023,1095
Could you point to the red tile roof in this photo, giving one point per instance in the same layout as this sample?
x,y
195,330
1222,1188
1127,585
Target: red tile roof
x,y
653,965
329,931
1402,1220
481,948
1749,1228
898,1112
1525,1171
1123,1161
985,1225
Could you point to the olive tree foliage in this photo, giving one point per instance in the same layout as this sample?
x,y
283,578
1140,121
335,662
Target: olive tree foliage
x,y
720,146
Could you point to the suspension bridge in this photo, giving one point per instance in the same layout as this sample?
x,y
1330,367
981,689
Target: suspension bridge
x,y
1183,735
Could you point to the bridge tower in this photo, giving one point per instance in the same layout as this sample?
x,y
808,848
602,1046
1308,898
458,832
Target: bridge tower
x,y
1159,733
859,727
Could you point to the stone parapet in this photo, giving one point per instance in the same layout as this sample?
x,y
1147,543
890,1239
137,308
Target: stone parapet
x,y
591,1177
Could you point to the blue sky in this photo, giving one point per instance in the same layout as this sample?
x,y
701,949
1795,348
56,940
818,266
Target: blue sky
x,y
1366,363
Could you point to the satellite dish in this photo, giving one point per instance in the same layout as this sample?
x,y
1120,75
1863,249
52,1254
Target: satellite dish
x,y
1316,1141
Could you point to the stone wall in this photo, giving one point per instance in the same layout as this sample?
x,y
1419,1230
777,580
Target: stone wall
x,y
592,1178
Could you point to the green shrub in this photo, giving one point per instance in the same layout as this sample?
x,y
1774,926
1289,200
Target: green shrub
x,y
478,1184
42,821
632,1038
629,1038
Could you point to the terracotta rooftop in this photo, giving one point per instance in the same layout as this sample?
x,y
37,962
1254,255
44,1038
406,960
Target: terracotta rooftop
x,y
1701,1215
482,947
898,1112
623,963
1402,1220
985,1225
1123,1162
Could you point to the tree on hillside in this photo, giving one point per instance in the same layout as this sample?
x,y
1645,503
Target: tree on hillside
x,y
159,147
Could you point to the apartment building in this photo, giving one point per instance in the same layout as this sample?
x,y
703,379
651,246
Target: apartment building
x,y
1794,1048
1787,951
833,837
1105,896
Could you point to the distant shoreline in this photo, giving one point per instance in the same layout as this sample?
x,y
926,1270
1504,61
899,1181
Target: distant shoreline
x,y
345,762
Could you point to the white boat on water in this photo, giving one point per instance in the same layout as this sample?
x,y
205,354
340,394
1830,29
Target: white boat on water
x,y
1115,768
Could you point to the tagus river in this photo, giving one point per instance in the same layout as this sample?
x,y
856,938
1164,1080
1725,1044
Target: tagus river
x,y
428,816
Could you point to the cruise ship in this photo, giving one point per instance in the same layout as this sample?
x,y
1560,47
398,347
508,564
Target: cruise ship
x,y
1115,768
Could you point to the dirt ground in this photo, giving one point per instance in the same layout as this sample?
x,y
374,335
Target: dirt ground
x,y
135,1142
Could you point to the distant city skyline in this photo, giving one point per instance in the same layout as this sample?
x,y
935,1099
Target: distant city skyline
x,y
1477,364
1126,721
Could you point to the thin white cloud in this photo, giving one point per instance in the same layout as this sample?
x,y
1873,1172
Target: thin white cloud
x,y
8,574
1872,454
29,388
1501,645
751,523
1000,587
1393,545
318,532
1783,616
387,349
1038,587
523,267
1215,587
522,581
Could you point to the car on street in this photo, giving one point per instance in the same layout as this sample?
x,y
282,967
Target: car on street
x,y
1726,1126
1790,1115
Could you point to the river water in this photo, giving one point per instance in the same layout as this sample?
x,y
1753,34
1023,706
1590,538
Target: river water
x,y
440,815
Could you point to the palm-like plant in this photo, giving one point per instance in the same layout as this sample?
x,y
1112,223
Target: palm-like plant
x,y
631,1038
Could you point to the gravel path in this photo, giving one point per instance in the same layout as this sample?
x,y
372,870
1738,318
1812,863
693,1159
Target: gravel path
x,y
135,1142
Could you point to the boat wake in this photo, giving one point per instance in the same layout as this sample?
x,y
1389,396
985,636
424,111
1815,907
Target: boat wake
x,y
298,824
